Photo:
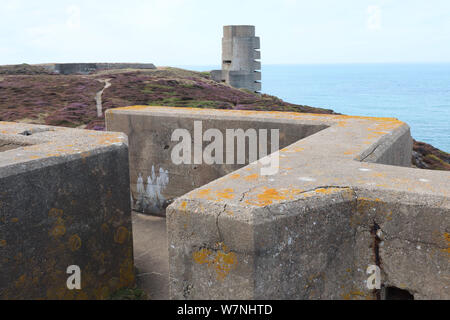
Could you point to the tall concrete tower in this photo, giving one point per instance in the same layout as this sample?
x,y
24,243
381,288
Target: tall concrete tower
x,y
240,52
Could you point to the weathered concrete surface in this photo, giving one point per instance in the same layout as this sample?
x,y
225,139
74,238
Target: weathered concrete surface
x,y
344,198
64,200
150,129
151,256
239,58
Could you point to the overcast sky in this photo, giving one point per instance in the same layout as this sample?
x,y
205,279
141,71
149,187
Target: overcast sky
x,y
188,32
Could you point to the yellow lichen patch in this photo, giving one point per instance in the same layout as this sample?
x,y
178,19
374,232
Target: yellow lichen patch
x,y
225,194
2,243
447,240
126,273
14,220
204,194
292,150
21,281
74,242
266,198
121,235
235,176
107,140
138,107
356,295
59,228
327,190
229,212
55,212
251,177
370,199
222,261
270,195
183,205
202,256
58,231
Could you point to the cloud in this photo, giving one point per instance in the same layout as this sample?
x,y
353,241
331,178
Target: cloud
x,y
374,18
73,22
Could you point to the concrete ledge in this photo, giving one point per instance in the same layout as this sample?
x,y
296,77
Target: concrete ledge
x,y
340,202
64,200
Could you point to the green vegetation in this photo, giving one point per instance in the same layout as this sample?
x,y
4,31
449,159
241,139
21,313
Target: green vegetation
x,y
186,102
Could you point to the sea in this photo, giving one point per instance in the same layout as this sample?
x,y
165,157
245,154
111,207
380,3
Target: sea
x,y
418,94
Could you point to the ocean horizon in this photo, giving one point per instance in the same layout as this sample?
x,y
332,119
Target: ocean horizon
x,y
416,93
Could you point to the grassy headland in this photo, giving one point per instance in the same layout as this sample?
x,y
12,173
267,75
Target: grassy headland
x,y
31,94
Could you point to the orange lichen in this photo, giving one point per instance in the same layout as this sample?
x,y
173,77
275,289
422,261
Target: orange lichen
x,y
447,239
270,195
58,230
327,190
121,235
201,256
251,177
225,194
222,261
356,295
204,193
74,242
55,212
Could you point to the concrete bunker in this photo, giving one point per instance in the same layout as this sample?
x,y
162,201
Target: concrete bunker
x,y
307,231
64,200
151,147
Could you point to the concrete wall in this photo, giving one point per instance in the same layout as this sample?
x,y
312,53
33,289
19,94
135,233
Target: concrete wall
x,y
239,58
344,198
86,68
151,148
64,200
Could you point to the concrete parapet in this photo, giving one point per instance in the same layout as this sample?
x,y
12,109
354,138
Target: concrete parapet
x,y
344,198
64,200
150,130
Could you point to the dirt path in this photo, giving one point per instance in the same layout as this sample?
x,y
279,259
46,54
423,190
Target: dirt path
x,y
98,96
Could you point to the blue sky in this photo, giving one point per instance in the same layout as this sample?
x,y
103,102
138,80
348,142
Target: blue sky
x,y
188,32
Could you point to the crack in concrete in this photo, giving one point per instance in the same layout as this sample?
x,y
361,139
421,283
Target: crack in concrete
x,y
390,237
370,153
217,222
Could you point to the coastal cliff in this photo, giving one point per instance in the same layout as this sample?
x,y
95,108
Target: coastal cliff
x,y
32,94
